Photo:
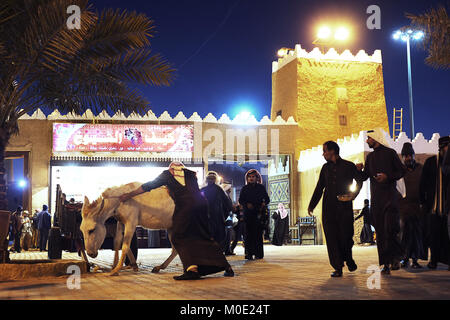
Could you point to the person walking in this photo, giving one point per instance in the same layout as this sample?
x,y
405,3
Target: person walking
x,y
254,199
384,168
336,177
35,230
44,226
366,232
411,217
219,207
26,232
281,225
16,224
191,237
434,199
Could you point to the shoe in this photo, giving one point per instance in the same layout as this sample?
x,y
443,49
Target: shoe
x,y
415,265
395,265
432,265
404,263
230,254
351,265
249,257
188,275
336,274
256,257
229,273
385,270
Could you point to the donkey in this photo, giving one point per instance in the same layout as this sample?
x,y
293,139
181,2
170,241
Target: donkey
x,y
152,210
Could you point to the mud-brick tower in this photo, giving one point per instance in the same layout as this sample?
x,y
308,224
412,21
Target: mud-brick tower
x,y
329,95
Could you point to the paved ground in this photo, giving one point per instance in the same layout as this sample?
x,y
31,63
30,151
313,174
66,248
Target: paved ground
x,y
286,273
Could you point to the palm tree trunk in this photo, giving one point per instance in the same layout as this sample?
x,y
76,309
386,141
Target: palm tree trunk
x,y
4,221
3,186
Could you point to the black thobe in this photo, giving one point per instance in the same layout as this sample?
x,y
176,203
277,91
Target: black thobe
x,y
366,232
256,194
337,216
219,208
411,217
384,201
438,235
190,227
281,229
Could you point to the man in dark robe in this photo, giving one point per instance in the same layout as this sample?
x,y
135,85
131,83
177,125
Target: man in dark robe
x,y
191,236
254,199
366,232
16,222
44,226
281,225
411,216
384,168
335,180
434,198
219,208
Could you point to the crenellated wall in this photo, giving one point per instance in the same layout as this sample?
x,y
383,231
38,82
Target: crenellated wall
x,y
35,137
329,95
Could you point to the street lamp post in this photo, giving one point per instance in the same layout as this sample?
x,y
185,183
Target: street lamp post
x,y
406,36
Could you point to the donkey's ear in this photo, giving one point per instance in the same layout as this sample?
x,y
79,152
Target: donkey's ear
x,y
86,201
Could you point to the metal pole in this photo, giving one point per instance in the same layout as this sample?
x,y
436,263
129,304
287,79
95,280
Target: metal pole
x,y
411,109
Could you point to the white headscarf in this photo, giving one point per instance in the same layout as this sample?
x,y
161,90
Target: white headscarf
x,y
378,135
176,169
283,212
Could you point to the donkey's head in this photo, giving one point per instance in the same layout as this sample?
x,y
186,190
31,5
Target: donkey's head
x,y
93,224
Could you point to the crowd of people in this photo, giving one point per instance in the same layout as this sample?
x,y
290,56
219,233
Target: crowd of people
x,y
408,211
28,231
409,207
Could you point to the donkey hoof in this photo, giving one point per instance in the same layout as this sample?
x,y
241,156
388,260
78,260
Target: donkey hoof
x,y
156,269
114,273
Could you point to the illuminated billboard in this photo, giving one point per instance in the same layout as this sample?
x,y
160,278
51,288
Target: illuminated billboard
x,y
82,137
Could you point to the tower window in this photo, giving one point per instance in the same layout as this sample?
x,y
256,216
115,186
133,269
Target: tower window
x,y
342,120
279,112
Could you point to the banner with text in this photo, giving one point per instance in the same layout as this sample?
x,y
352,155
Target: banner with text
x,y
82,137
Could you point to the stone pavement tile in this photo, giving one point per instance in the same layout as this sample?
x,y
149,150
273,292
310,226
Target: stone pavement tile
x,y
287,273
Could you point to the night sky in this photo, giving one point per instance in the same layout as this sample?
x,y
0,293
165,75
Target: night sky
x,y
223,52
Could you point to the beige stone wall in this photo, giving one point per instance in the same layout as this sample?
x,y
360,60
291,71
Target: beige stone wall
x,y
36,137
325,90
330,89
284,91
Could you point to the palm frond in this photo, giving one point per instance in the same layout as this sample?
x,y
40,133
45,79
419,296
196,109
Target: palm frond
x,y
46,65
436,25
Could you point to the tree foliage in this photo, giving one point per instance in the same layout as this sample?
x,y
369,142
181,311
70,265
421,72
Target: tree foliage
x,y
45,64
436,26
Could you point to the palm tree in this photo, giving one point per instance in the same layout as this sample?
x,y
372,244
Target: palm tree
x,y
436,25
45,64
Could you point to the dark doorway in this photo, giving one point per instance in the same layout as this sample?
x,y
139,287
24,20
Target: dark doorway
x,y
18,184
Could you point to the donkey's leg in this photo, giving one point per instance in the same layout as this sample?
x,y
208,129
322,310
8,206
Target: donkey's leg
x,y
118,242
130,227
173,254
